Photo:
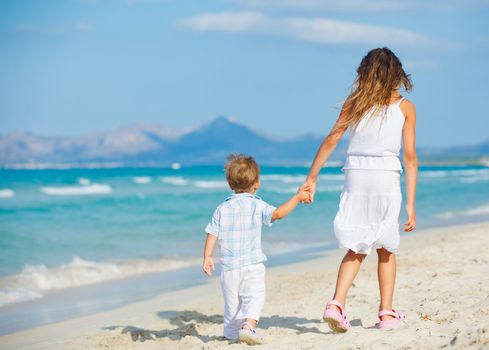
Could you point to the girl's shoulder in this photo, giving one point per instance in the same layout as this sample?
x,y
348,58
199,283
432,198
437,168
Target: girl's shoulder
x,y
407,107
405,103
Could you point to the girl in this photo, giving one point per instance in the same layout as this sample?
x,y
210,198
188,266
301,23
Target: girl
x,y
377,117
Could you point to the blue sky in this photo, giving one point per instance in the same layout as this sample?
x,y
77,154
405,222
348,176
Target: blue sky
x,y
283,66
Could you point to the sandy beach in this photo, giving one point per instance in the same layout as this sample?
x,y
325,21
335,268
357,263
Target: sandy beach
x,y
443,285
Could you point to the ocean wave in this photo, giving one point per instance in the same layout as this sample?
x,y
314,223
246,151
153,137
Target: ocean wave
x,y
337,188
64,166
210,184
470,172
84,181
476,211
332,164
291,190
77,190
142,180
457,172
6,193
34,280
273,248
474,179
280,189
283,178
300,178
11,295
174,180
434,173
334,177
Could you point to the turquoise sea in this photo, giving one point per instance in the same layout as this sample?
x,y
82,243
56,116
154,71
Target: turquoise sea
x,y
70,228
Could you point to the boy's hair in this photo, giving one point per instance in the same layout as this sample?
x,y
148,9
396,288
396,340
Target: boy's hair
x,y
242,172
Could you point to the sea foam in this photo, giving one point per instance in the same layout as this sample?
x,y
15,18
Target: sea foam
x,y
461,173
6,193
433,173
284,178
474,179
142,180
334,177
300,178
475,211
211,184
34,280
77,190
84,181
282,247
290,190
174,180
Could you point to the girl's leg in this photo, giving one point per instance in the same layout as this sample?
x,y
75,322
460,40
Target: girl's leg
x,y
347,272
387,277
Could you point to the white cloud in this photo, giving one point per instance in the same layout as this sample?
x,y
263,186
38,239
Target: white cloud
x,y
335,5
316,30
327,31
227,22
365,5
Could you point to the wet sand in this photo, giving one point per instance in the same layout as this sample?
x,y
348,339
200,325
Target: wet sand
x,y
442,284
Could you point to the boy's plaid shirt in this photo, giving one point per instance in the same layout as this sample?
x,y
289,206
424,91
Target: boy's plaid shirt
x,y
237,224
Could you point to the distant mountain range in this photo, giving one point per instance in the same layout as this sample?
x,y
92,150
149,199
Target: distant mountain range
x,y
152,145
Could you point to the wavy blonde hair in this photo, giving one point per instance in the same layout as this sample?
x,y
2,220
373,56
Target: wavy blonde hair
x,y
379,74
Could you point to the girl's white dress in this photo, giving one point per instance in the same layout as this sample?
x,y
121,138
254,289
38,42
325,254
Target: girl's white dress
x,y
370,204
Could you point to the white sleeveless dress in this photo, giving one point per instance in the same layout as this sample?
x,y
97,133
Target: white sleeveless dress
x,y
370,204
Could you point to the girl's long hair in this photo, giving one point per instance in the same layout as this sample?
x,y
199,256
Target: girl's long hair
x,y
379,74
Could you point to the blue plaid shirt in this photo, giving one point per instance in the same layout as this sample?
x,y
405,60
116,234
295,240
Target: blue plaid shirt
x,y
237,225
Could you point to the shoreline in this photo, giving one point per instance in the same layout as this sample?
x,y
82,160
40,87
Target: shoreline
x,y
68,303
300,283
73,302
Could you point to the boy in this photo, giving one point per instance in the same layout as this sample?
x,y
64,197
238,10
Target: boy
x,y
236,226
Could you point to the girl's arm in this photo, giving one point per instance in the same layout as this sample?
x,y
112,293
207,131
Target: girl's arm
x,y
208,264
410,162
324,152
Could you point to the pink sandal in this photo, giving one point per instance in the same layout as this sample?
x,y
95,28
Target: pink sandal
x,y
396,322
336,320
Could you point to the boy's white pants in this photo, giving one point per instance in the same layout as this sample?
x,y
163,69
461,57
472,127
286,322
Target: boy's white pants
x,y
244,295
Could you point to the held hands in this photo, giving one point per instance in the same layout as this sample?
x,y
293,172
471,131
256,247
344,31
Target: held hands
x,y
411,218
304,193
208,266
309,187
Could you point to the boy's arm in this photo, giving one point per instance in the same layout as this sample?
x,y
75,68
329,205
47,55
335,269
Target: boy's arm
x,y
283,210
208,264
